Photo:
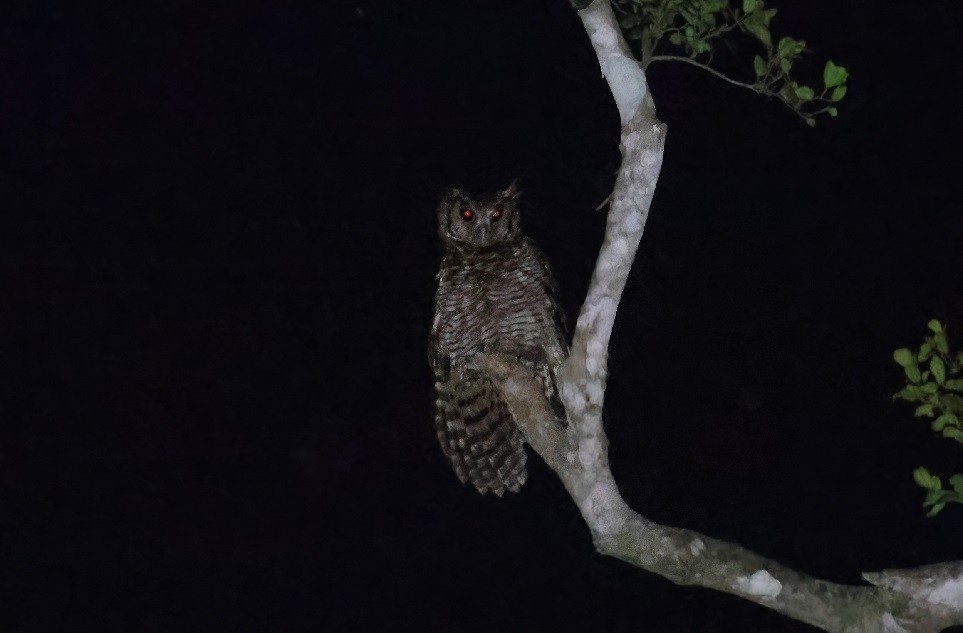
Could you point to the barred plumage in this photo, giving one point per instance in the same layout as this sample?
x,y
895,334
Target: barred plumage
x,y
495,290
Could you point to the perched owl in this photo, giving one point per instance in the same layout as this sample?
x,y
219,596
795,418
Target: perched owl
x,y
495,291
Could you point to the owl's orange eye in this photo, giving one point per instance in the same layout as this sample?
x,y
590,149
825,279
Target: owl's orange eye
x,y
497,214
467,214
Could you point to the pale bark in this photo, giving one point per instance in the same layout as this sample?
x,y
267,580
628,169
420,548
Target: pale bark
x,y
924,599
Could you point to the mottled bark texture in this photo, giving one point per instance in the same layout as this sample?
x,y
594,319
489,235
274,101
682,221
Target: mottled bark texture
x,y
921,600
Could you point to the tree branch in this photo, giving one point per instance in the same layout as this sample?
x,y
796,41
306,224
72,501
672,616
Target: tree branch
x,y
705,67
926,599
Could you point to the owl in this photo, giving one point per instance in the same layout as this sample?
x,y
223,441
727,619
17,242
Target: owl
x,y
495,292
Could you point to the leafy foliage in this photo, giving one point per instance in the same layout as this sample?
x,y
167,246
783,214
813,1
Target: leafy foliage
x,y
935,384
686,30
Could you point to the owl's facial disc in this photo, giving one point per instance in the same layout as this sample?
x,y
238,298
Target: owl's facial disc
x,y
479,223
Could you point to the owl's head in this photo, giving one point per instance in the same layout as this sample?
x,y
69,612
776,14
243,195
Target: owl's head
x,y
470,222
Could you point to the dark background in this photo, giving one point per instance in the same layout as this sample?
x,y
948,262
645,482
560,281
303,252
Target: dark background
x,y
219,282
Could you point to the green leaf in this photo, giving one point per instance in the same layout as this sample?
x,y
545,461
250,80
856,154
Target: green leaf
x,y
675,38
940,340
924,479
945,420
838,93
929,387
936,509
748,6
952,402
760,66
788,47
954,385
926,350
923,410
935,494
935,326
913,373
957,482
904,357
832,111
938,369
834,75
785,64
757,23
954,433
805,93
910,393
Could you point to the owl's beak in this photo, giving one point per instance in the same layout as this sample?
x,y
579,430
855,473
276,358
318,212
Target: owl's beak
x,y
483,232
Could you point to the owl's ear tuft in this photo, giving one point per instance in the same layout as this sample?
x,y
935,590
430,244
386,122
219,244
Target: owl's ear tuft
x,y
512,192
452,193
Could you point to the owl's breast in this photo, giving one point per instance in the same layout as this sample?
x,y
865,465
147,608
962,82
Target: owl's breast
x,y
498,301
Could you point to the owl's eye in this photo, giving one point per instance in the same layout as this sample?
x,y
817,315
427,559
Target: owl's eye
x,y
497,214
467,214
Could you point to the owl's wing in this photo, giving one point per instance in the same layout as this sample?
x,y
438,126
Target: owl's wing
x,y
439,361
478,434
438,358
556,343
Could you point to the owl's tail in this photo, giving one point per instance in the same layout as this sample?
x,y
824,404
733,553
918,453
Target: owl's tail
x,y
478,435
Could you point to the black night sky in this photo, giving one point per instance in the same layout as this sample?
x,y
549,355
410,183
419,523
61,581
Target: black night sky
x,y
218,289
